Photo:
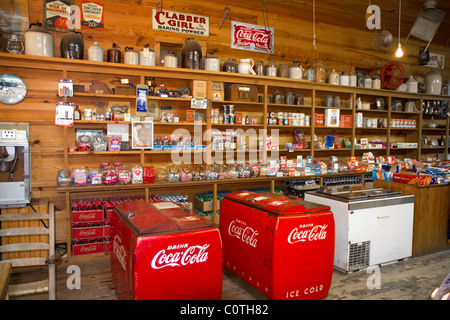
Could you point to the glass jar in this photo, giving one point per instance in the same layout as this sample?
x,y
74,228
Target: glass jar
x,y
277,98
137,176
186,174
191,54
109,175
310,74
352,79
63,177
255,170
15,45
333,78
198,173
244,171
333,165
123,175
84,143
212,172
299,99
320,72
149,174
95,177
232,172
162,175
376,81
100,143
80,176
259,68
174,174
223,172
283,71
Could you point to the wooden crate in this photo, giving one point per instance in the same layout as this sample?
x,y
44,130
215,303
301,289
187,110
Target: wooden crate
x,y
40,205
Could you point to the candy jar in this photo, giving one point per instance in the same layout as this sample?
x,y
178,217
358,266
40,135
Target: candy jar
x,y
232,172
186,173
244,170
174,174
199,173
223,173
162,175
63,177
149,174
100,143
109,175
212,173
123,175
80,176
95,177
84,143
114,143
255,171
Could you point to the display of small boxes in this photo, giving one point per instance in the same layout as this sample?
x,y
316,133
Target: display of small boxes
x,y
217,91
331,118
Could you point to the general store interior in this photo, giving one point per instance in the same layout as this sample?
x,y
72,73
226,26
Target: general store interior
x,y
384,131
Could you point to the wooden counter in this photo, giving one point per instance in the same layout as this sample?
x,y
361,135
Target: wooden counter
x,y
431,214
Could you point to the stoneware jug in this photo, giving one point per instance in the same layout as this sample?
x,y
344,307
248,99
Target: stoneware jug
x,y
296,70
433,82
170,60
72,45
147,56
271,69
130,56
95,52
38,41
230,66
212,63
114,54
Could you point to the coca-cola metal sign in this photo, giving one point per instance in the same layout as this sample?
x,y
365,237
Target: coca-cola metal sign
x,y
251,37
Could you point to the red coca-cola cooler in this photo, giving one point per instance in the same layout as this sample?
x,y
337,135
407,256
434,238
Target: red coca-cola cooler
x,y
281,246
161,251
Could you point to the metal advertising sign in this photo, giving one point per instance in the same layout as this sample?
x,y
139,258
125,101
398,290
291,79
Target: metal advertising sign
x,y
251,37
186,23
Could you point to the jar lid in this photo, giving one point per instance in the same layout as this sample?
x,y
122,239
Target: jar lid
x,y
64,173
174,169
187,169
84,138
100,139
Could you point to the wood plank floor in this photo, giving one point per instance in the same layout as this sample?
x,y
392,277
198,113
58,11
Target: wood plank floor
x,y
412,279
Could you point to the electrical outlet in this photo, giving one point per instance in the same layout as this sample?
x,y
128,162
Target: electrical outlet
x,y
8,134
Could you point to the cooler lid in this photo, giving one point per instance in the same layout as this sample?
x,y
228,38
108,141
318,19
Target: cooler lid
x,y
276,203
160,217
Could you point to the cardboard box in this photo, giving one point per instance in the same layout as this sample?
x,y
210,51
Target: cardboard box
x,y
199,89
190,115
331,117
318,119
205,206
217,91
345,121
241,92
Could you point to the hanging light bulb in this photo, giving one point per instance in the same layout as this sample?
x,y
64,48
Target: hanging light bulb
x,y
399,52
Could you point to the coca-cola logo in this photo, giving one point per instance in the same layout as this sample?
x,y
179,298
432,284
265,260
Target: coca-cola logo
x,y
192,255
253,37
308,233
120,251
246,234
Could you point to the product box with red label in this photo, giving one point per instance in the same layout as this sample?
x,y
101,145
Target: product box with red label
x,y
318,119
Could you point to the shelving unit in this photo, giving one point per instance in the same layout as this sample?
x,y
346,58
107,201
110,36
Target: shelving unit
x,y
87,72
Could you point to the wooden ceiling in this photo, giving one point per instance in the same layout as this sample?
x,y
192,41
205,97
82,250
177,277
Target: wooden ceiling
x,y
351,13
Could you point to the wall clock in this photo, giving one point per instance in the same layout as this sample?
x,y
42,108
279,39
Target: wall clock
x,y
12,89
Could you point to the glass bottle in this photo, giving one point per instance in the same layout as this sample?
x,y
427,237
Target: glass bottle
x,y
15,45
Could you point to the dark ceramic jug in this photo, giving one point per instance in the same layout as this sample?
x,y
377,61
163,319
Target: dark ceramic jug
x,y
72,45
191,54
114,54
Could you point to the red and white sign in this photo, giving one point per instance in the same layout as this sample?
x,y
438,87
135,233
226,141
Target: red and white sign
x,y
178,22
251,37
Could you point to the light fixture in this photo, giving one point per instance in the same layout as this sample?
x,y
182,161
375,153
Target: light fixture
x,y
399,52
